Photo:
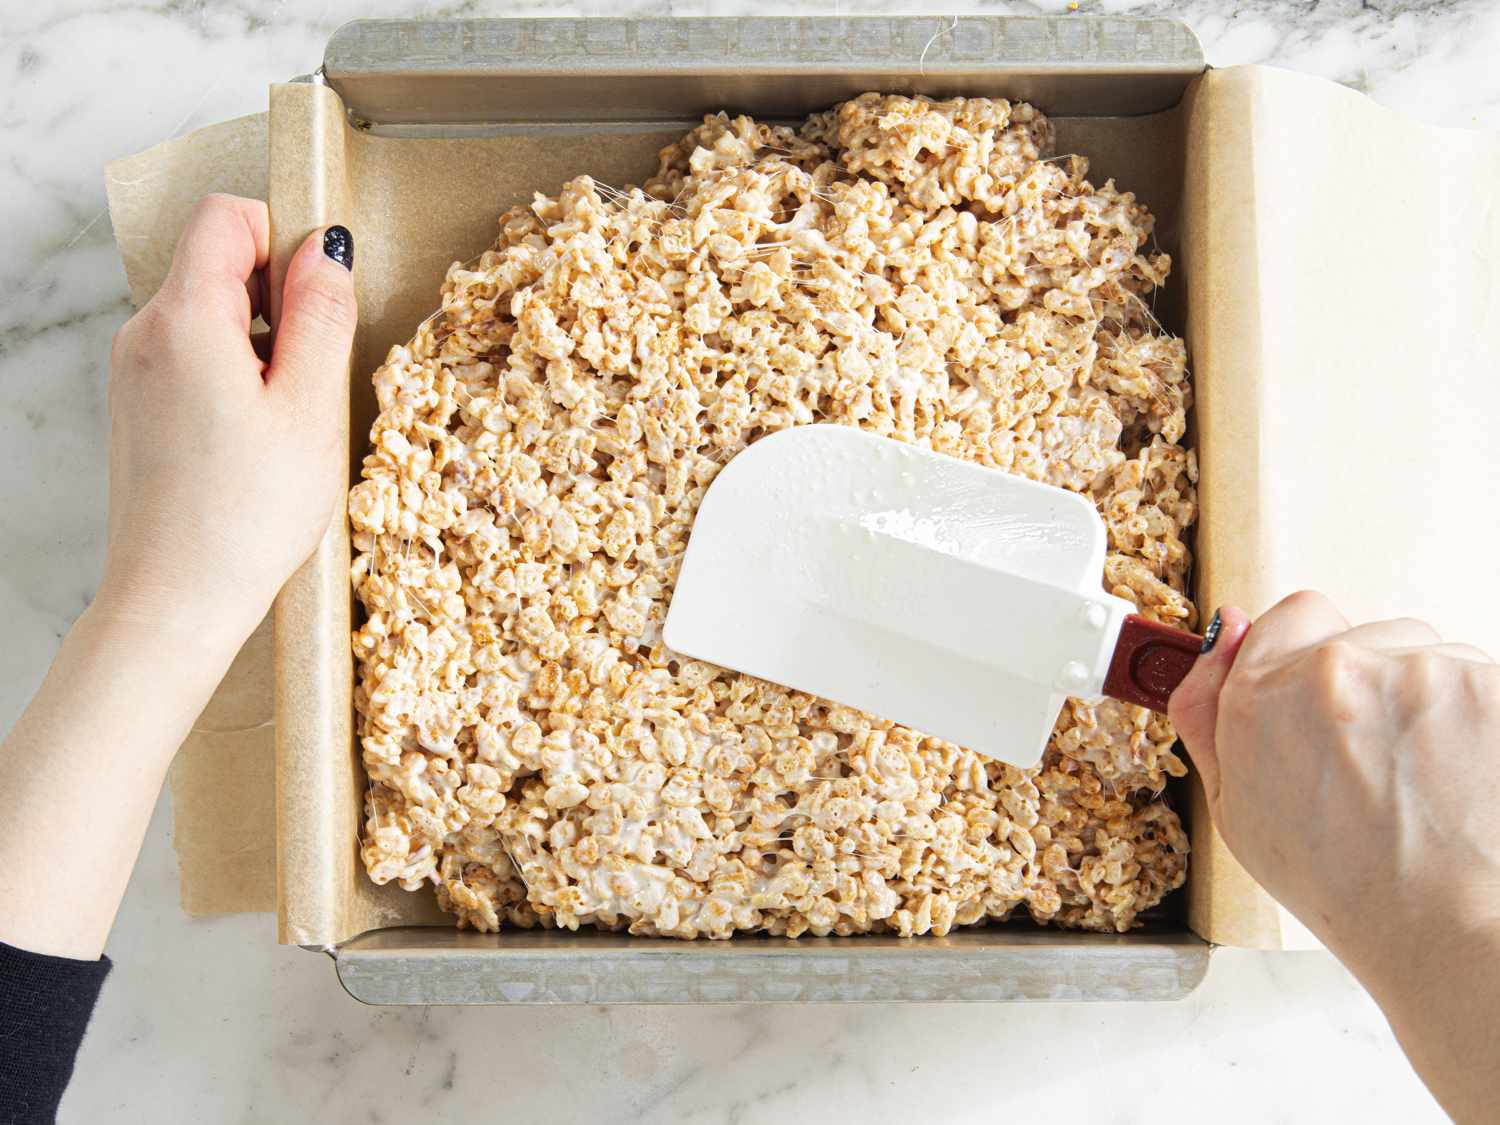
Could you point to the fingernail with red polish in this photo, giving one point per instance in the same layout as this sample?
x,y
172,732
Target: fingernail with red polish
x,y
1211,634
338,244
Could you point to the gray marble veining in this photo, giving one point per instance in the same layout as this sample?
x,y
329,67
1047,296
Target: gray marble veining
x,y
210,1021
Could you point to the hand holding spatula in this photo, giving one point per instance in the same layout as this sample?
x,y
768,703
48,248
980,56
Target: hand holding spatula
x,y
959,600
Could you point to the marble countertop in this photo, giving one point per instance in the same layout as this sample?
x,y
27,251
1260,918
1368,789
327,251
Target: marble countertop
x,y
211,1021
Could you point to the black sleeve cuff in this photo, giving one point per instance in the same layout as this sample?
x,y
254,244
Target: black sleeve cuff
x,y
45,1004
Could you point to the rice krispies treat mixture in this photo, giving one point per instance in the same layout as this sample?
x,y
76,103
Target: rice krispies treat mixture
x,y
924,270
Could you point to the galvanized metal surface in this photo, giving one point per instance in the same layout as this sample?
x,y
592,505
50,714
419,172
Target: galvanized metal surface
x,y
432,966
536,76
427,74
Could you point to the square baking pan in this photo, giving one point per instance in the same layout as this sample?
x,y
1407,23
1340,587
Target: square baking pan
x,y
417,134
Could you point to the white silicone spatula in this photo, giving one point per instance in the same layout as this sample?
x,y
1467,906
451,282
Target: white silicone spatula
x,y
955,599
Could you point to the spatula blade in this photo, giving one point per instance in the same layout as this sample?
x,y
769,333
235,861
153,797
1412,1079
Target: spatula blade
x,y
939,594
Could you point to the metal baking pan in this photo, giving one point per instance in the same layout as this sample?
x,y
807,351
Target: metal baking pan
x,y
428,965
458,77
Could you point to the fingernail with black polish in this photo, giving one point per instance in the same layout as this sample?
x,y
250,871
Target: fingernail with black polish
x,y
1211,634
338,244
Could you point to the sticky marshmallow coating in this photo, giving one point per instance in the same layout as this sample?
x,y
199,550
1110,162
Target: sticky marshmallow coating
x,y
923,270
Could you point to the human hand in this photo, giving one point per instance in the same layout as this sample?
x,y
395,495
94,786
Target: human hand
x,y
225,469
1354,772
224,472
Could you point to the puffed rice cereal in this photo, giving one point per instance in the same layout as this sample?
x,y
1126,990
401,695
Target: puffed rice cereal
x,y
923,270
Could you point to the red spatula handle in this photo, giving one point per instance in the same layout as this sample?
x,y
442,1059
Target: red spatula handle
x,y
1150,661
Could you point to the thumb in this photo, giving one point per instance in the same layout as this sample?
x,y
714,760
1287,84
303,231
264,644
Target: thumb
x,y
1194,706
315,330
